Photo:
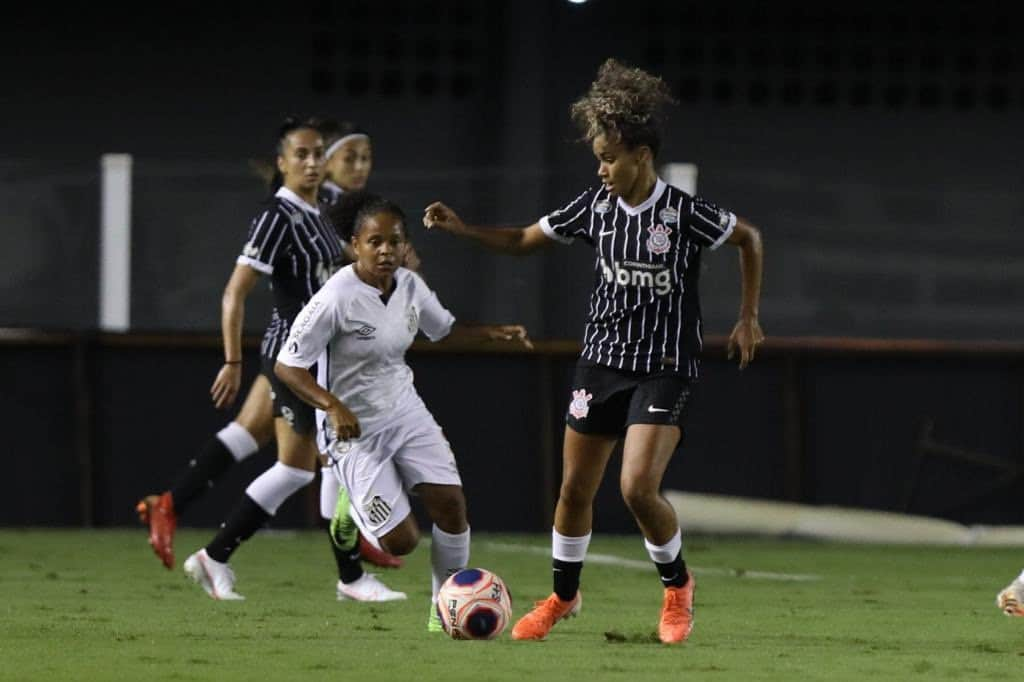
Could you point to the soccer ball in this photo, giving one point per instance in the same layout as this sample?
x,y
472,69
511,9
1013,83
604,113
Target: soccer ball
x,y
474,604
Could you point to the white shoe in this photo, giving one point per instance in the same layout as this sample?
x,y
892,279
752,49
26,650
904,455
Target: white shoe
x,y
368,588
216,578
1011,600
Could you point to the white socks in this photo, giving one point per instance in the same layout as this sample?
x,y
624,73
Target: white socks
x,y
238,441
664,554
565,548
329,487
448,554
277,484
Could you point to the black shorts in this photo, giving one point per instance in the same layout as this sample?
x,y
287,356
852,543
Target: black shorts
x,y
299,414
607,401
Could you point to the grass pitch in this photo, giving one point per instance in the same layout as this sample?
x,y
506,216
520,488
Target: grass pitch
x,y
96,605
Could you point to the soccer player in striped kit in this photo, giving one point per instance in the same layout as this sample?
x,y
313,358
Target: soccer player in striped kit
x,y
367,316
349,156
642,339
292,243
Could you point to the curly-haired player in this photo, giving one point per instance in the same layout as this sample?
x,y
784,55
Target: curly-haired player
x,y
642,339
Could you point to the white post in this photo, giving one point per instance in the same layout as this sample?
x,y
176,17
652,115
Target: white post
x,y
681,175
116,242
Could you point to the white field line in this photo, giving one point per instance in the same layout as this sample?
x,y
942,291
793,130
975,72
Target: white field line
x,y
612,560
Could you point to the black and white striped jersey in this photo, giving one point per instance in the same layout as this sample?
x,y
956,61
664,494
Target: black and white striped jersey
x,y
329,193
644,311
299,249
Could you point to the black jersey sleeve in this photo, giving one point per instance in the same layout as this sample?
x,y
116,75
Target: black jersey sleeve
x,y
570,221
267,235
709,224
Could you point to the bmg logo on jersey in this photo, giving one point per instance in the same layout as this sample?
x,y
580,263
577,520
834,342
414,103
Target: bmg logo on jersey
x,y
637,274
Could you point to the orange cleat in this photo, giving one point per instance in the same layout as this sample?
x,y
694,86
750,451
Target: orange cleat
x,y
538,623
677,613
377,557
158,512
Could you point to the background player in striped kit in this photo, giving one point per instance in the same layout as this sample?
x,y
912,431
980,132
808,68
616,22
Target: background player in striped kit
x,y
293,244
367,316
642,339
349,155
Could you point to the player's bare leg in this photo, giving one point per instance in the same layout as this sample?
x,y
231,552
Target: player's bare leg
x,y
160,512
584,458
645,456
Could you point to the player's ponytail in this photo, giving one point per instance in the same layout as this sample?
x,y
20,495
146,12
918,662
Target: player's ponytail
x,y
344,212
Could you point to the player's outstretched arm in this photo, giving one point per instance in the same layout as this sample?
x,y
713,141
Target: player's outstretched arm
x,y
516,240
232,313
747,334
302,384
473,334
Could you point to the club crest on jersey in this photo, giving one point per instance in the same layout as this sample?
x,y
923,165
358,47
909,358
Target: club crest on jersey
x,y
579,407
412,319
658,243
377,510
602,206
669,215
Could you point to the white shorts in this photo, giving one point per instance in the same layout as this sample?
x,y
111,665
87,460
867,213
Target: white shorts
x,y
380,469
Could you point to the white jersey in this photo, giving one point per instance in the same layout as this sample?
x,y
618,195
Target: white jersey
x,y
366,340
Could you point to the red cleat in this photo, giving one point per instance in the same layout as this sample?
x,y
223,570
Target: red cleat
x,y
158,512
377,557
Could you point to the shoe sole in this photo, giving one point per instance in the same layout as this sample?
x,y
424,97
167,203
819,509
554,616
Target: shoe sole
x,y
344,597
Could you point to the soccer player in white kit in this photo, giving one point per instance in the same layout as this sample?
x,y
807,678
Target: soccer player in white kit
x,y
388,443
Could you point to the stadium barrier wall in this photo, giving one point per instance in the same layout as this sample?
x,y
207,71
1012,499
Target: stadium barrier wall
x,y
95,420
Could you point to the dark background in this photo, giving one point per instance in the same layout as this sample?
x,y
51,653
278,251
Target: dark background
x,y
877,145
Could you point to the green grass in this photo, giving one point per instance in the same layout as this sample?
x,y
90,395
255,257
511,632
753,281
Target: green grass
x,y
87,605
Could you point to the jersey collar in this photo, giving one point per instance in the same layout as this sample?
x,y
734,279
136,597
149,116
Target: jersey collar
x,y
293,198
659,189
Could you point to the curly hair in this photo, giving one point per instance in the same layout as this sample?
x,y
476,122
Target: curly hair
x,y
625,105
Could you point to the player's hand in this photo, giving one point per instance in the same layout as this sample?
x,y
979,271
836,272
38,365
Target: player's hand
x,y
745,337
440,216
515,333
225,386
344,423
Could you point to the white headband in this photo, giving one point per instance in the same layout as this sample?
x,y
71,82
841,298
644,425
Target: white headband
x,y
342,140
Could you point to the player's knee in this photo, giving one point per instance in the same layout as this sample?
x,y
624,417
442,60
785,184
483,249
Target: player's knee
x,y
574,495
401,541
639,495
449,511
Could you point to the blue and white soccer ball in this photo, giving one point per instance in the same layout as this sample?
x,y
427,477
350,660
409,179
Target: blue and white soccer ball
x,y
474,604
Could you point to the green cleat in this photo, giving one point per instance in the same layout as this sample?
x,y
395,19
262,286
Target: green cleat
x,y
344,532
434,620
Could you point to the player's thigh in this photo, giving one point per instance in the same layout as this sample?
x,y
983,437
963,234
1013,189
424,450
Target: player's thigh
x,y
295,449
646,452
584,458
257,413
